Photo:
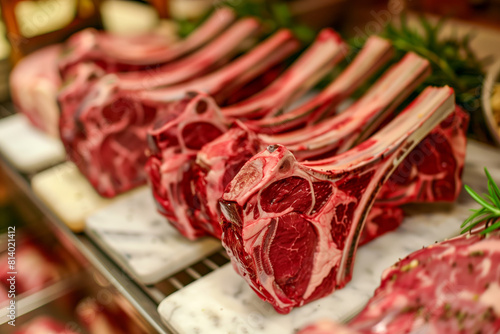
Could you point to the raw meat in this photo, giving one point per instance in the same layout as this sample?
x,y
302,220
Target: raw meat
x,y
450,287
361,118
144,51
216,53
381,219
375,53
78,82
433,171
106,135
34,83
46,325
36,269
292,229
218,161
176,142
81,78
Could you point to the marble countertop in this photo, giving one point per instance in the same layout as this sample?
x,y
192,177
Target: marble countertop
x,y
136,236
26,147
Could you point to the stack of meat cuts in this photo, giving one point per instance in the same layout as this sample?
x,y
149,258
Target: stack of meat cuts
x,y
36,80
292,228
224,129
189,172
174,143
105,133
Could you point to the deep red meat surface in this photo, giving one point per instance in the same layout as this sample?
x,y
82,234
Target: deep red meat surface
x,y
324,203
198,126
450,287
109,114
433,171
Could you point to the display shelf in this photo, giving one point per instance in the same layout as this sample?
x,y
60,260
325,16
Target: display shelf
x,y
88,253
145,299
141,241
177,287
26,303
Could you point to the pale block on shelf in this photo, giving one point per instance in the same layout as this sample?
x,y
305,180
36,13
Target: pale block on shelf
x,y
68,194
26,147
140,240
222,302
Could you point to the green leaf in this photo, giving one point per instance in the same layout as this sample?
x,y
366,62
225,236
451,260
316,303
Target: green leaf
x,y
304,33
452,59
490,208
282,13
478,213
495,189
492,228
481,200
477,221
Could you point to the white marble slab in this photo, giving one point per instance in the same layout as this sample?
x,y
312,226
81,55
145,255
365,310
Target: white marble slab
x,y
26,147
68,194
222,302
142,241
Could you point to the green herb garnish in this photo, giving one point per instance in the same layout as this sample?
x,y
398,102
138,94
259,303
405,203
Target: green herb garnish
x,y
490,210
452,60
273,14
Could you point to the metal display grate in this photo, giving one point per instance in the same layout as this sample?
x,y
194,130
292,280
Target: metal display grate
x,y
145,298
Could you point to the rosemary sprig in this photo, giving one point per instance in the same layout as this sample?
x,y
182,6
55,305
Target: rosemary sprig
x,y
273,14
490,210
452,59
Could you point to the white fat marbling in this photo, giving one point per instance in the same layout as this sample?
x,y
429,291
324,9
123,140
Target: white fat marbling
x,y
26,147
222,302
68,194
142,241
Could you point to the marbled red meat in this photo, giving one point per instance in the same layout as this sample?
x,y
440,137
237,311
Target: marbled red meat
x,y
450,287
91,132
355,178
34,83
225,156
142,51
174,146
381,219
433,171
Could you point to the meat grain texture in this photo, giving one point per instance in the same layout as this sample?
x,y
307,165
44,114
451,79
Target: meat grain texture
x,y
292,228
450,287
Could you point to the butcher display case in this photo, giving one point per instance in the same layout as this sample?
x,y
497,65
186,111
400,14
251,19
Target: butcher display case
x,y
95,254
